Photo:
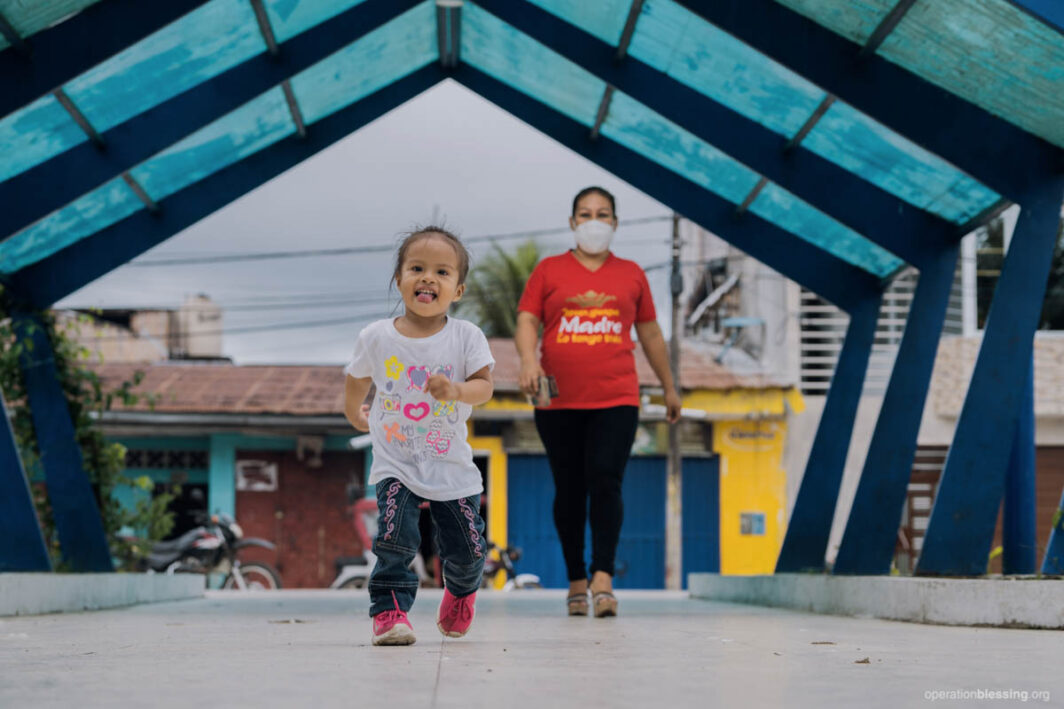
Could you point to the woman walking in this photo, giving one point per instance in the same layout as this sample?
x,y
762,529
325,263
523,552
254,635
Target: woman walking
x,y
587,301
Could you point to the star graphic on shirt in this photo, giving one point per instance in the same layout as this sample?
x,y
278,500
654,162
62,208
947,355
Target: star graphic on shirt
x,y
394,367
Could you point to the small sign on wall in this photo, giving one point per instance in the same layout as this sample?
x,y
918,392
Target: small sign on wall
x,y
752,523
256,476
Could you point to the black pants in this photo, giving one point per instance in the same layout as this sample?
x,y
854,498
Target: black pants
x,y
588,450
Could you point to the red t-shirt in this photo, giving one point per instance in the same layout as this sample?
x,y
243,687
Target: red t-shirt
x,y
587,322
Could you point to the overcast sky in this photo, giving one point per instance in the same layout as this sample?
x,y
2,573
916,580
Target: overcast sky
x,y
447,153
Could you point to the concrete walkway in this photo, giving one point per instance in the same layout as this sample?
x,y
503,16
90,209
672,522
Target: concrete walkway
x,y
311,648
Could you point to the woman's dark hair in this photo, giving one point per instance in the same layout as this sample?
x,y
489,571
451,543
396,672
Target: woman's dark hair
x,y
593,190
427,232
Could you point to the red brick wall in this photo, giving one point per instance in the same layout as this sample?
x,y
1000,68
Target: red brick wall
x,y
306,517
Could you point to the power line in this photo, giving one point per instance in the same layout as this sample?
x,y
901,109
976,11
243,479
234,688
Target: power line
x,y
299,301
307,345
345,251
663,264
323,304
273,302
308,304
278,327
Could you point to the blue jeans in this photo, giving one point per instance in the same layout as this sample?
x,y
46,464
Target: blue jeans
x,y
459,538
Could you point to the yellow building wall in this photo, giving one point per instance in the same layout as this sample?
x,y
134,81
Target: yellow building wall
x,y
498,513
752,480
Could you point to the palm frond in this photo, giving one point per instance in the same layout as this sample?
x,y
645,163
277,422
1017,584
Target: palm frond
x,y
495,286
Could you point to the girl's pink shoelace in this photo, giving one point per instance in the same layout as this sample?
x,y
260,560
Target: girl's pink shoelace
x,y
461,610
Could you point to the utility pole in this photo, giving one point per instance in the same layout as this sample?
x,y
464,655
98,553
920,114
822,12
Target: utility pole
x,y
674,473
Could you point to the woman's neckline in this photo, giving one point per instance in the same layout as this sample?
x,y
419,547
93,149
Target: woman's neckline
x,y
397,331
609,257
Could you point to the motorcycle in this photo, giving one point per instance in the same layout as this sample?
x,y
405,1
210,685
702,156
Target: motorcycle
x,y
354,571
504,559
212,548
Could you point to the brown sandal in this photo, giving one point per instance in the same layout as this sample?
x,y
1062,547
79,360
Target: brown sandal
x,y
605,604
577,604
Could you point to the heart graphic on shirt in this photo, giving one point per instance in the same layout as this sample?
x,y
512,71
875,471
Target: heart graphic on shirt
x,y
418,377
446,370
438,441
443,408
416,412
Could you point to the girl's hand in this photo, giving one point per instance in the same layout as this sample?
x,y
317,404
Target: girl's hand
x,y
442,388
672,406
361,419
529,377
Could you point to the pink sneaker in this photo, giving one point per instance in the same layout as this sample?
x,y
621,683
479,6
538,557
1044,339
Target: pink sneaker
x,y
455,614
393,627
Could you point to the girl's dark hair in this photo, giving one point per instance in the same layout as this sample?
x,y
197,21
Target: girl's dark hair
x,y
593,190
427,232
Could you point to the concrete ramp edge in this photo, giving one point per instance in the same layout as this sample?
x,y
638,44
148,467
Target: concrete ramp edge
x,y
1007,602
36,593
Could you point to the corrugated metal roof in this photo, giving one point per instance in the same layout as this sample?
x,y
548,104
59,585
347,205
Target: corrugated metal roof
x,y
316,390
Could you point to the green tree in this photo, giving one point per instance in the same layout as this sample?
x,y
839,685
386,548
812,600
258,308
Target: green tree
x,y
104,461
495,286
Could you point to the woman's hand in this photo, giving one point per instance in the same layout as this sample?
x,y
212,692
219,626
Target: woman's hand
x,y
529,377
672,405
525,337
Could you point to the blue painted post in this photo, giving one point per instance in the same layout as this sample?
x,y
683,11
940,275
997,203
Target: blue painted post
x,y
1053,563
22,546
221,477
1018,517
82,540
806,541
962,522
871,531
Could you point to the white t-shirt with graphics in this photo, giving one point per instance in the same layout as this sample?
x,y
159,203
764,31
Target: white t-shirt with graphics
x,y
417,439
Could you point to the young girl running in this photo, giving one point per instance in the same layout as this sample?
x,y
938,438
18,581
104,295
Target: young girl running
x,y
429,370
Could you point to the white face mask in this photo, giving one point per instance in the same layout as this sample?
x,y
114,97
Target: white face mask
x,y
593,236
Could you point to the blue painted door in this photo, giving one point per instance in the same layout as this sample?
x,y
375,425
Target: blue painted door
x,y
641,551
701,515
